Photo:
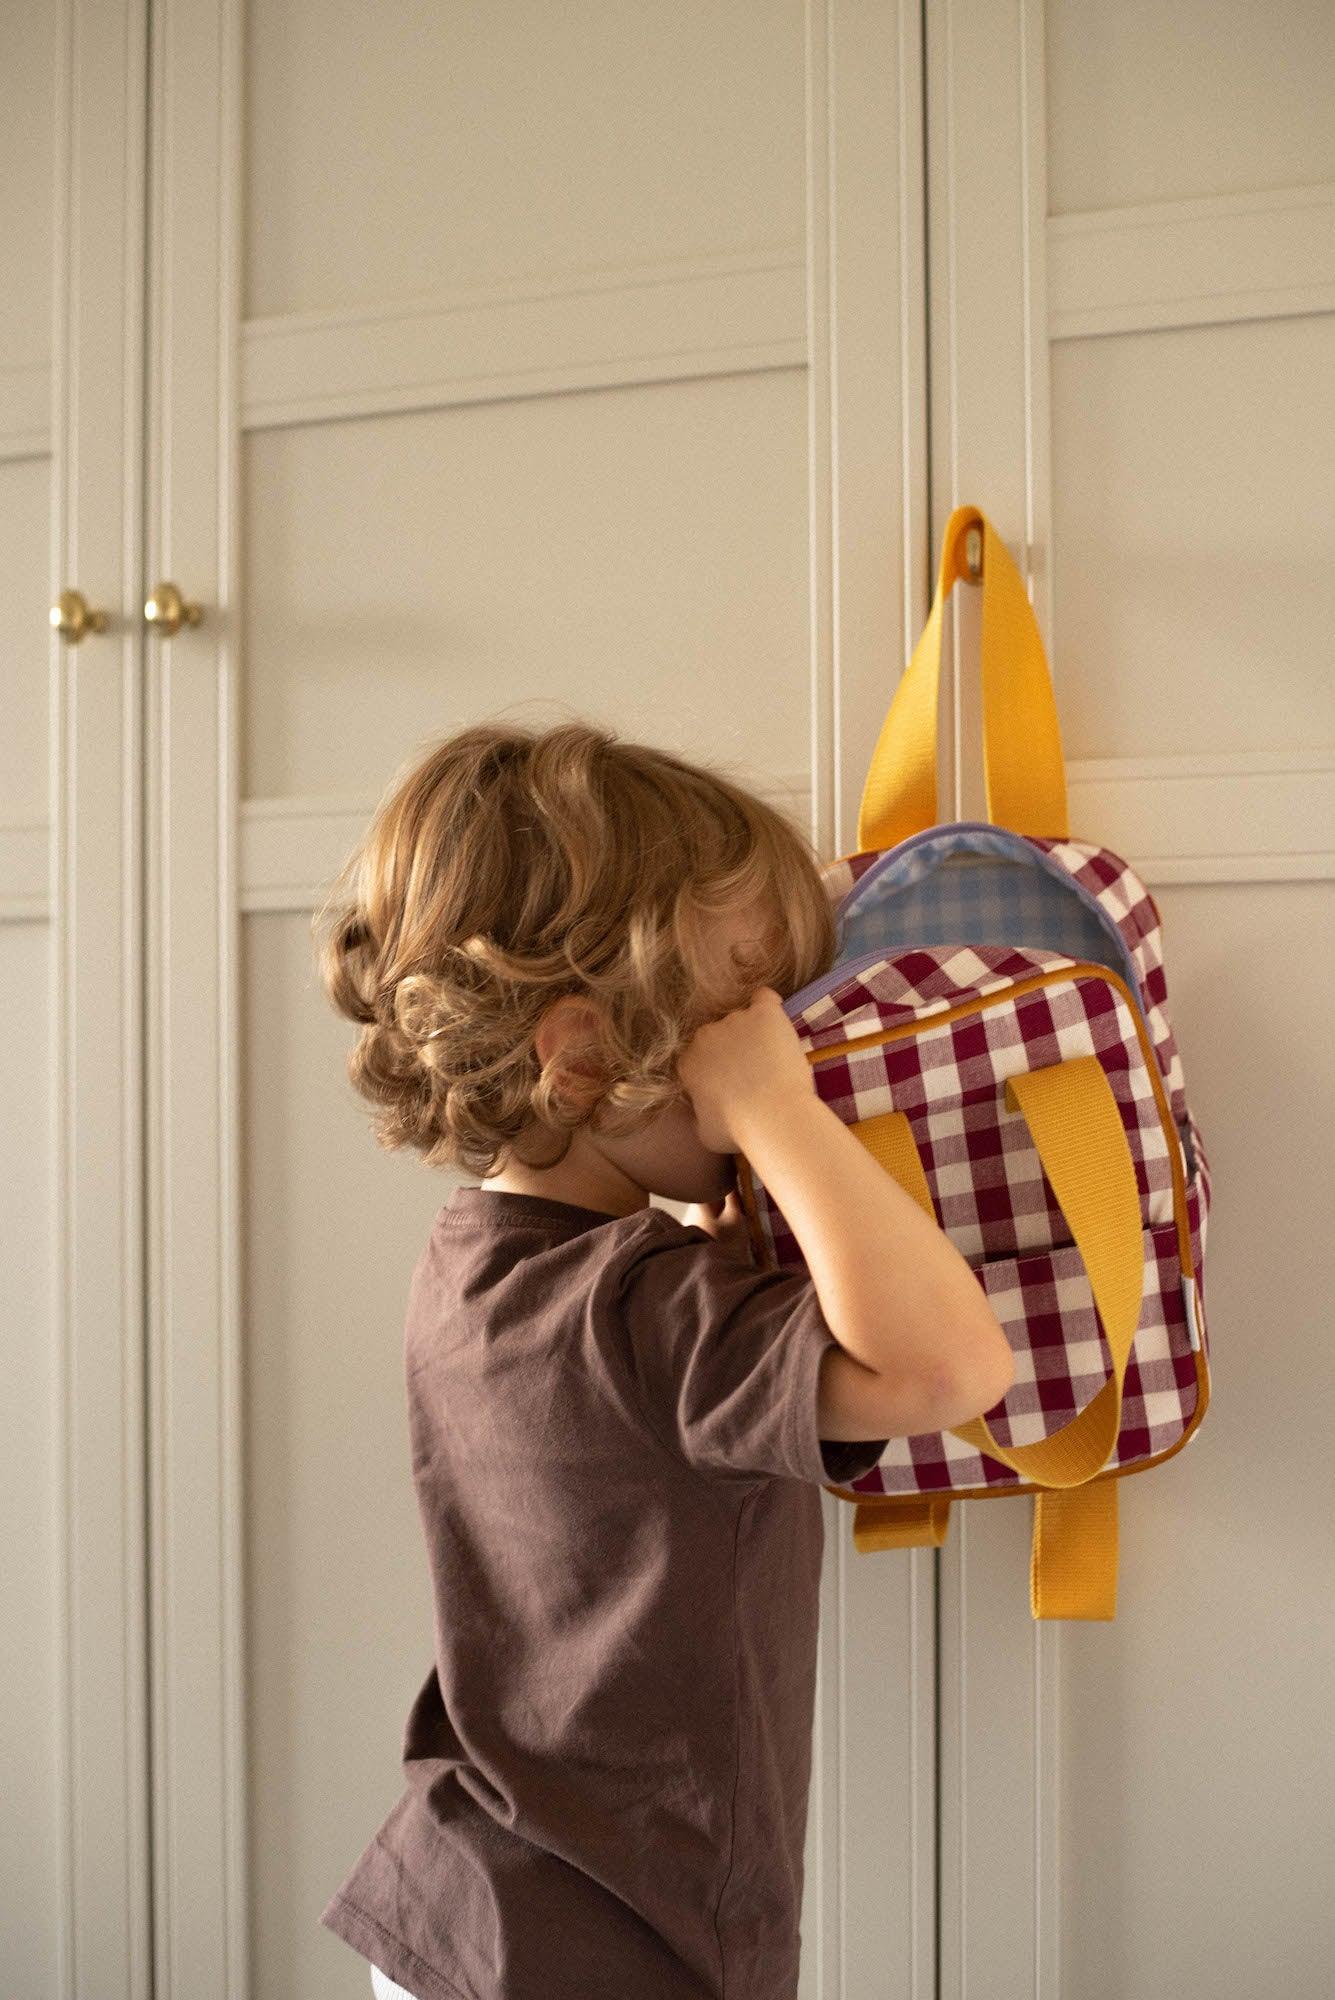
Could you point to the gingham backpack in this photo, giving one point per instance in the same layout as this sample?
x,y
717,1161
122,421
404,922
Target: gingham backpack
x,y
995,1032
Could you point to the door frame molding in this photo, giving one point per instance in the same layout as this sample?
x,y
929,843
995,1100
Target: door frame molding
x,y
872,1901
194,1192
93,906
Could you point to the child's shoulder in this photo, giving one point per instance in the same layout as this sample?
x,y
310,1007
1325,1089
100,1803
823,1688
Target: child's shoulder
x,y
656,1251
650,1235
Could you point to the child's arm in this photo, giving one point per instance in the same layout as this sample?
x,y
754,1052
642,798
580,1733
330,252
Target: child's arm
x,y
898,1297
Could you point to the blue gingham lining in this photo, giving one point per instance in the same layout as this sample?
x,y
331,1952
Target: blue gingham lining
x,y
967,887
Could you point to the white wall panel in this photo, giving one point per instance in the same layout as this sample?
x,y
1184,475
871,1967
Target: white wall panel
x,y
1196,1774
32,1826
1193,524
25,511
486,581
392,151
28,46
1159,103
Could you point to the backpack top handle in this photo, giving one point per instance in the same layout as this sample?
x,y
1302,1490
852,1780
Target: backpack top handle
x,y
1024,769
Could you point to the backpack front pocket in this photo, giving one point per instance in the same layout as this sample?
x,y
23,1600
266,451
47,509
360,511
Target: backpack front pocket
x,y
1045,1304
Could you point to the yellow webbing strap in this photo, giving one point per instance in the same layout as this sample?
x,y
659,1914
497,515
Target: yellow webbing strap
x,y
1072,1115
1073,1559
1077,1129
889,1139
883,1522
1024,768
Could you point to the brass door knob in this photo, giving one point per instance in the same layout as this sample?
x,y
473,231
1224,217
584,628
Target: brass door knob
x,y
71,617
167,611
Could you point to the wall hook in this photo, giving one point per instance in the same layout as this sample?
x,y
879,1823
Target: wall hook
x,y
973,553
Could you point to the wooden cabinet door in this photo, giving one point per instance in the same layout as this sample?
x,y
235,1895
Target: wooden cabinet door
x,y
511,360
1132,212
75,1911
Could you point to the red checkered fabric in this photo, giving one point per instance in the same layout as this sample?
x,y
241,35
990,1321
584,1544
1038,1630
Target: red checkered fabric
x,y
989,1191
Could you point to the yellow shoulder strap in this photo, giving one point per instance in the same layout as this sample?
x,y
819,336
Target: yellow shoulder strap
x,y
1077,1130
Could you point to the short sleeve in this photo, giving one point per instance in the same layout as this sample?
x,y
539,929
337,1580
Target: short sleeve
x,y
726,1360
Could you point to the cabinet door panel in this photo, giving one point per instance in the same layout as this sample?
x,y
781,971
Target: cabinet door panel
x,y
618,554
1132,356
496,368
74,1853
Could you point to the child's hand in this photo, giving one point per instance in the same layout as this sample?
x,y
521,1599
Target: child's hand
x,y
749,1062
725,1222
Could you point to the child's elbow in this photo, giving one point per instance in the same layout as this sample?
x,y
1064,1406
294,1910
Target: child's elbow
x,y
977,1381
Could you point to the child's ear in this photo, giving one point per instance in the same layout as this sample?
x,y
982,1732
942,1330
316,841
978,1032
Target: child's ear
x,y
570,1035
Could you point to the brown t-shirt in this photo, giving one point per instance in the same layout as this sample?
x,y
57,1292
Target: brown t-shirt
x,y
616,1459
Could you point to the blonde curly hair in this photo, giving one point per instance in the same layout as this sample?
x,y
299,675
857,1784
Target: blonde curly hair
x,y
507,867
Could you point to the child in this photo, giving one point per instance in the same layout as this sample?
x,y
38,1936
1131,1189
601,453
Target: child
x,y
567,953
